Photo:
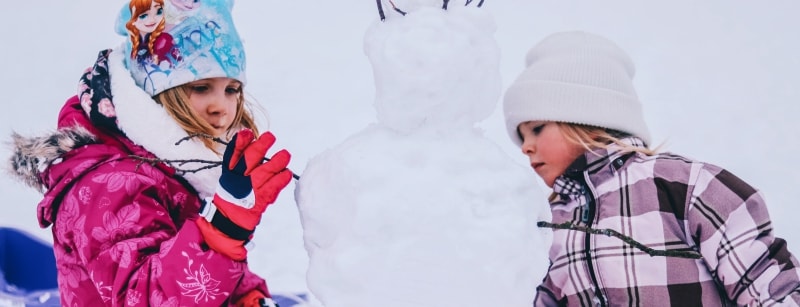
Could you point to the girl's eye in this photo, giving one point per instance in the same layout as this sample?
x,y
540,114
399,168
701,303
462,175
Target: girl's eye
x,y
160,11
143,17
199,88
538,129
233,90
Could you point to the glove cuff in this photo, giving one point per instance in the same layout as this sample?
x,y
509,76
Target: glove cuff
x,y
221,243
267,302
215,217
247,202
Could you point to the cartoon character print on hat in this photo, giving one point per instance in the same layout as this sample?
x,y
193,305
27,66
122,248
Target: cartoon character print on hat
x,y
179,10
185,5
146,28
174,42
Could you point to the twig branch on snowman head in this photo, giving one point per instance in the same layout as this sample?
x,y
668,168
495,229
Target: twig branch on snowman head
x,y
445,3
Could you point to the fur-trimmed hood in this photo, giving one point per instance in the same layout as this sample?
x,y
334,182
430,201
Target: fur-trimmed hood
x,y
32,155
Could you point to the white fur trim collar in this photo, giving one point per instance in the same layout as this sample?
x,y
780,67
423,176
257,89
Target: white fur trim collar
x,y
146,124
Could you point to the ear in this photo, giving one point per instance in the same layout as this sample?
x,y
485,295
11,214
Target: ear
x,y
122,18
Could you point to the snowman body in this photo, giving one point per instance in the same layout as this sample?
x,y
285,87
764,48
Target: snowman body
x,y
421,209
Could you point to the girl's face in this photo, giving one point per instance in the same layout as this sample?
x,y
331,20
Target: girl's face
x,y
550,153
147,21
216,101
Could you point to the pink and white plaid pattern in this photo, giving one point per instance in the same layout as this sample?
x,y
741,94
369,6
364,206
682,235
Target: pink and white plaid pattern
x,y
666,202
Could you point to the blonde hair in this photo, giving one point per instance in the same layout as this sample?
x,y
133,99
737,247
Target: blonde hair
x,y
591,137
175,102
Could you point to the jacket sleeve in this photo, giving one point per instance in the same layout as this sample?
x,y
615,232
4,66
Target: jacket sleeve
x,y
728,219
249,282
136,255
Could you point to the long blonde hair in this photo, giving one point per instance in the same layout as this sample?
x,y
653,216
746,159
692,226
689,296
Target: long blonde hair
x,y
176,103
591,138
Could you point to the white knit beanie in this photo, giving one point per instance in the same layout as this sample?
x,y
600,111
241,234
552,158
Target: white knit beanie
x,y
576,77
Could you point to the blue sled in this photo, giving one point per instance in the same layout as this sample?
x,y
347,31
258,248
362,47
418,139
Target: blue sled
x,y
28,273
27,270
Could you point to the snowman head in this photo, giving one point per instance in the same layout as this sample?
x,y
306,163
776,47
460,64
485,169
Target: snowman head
x,y
434,68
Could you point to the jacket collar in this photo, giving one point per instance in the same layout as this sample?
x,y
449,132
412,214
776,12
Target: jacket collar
x,y
571,183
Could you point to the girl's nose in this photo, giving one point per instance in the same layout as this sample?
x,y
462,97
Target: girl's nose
x,y
528,146
216,105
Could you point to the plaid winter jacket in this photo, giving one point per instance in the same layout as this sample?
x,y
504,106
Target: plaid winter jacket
x,y
666,202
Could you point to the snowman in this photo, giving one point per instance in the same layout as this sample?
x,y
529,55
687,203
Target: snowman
x,y
420,208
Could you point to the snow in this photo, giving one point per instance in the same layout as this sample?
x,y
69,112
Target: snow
x,y
420,208
718,80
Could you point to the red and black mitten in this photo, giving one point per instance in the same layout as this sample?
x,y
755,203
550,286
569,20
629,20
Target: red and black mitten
x,y
246,187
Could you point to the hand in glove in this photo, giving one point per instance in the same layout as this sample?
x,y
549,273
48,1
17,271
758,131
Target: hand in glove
x,y
246,187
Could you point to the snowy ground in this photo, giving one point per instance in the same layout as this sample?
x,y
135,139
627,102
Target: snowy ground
x,y
718,80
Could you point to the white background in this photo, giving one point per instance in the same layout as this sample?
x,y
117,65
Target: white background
x,y
718,80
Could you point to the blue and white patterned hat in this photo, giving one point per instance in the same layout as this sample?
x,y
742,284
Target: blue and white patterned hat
x,y
174,42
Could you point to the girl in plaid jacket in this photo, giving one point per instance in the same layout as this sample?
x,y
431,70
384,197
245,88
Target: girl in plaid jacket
x,y
633,227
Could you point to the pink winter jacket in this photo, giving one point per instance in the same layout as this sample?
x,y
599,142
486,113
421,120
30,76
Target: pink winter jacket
x,y
123,229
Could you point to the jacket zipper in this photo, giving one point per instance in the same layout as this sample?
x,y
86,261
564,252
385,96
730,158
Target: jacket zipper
x,y
588,218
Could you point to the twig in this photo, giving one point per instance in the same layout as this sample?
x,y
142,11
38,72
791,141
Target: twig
x,y
445,3
201,135
177,163
380,10
624,238
215,139
396,9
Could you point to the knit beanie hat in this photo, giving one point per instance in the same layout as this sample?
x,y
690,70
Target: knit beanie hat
x,y
579,78
174,42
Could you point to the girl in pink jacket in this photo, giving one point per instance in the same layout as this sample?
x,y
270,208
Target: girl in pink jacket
x,y
633,227
144,211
